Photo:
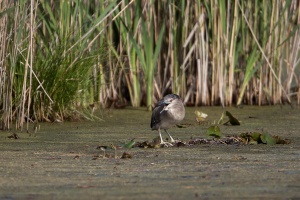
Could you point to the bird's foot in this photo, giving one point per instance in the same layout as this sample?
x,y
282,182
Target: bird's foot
x,y
166,144
175,141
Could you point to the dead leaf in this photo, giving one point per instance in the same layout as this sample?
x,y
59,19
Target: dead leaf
x,y
200,116
126,155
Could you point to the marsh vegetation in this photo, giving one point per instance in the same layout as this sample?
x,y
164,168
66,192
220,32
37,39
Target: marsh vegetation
x,y
61,59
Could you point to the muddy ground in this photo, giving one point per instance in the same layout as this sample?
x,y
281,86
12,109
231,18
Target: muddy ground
x,y
62,160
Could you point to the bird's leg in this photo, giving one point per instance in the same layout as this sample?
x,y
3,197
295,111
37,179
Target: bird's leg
x,y
161,140
172,140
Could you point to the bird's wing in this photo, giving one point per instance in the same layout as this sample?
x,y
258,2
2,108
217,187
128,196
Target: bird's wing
x,y
155,118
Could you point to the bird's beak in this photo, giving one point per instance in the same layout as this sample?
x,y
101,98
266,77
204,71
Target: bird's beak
x,y
166,103
165,108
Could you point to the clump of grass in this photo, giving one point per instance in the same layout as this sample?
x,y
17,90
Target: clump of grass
x,y
48,75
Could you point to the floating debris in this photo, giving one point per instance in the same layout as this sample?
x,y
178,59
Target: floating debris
x,y
180,144
217,139
129,145
262,138
13,136
126,155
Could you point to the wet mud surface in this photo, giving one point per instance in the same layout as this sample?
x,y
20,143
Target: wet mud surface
x,y
59,161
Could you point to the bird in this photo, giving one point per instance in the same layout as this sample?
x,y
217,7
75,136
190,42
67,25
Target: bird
x,y
168,112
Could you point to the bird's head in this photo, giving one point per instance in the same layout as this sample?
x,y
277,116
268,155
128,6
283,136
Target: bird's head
x,y
168,100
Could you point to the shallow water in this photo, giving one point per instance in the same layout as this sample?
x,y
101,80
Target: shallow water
x,y
59,162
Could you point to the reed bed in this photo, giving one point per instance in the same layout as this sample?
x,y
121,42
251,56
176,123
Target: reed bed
x,y
61,59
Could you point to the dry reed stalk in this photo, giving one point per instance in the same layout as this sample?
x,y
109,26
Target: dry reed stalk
x,y
265,57
202,63
31,47
232,51
293,54
5,99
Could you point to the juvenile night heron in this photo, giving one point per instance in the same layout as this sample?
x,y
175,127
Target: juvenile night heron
x,y
168,112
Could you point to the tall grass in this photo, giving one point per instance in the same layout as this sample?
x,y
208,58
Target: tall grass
x,y
48,61
60,57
